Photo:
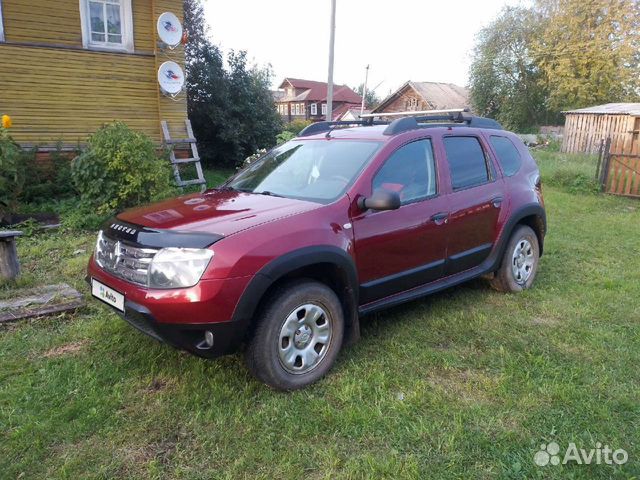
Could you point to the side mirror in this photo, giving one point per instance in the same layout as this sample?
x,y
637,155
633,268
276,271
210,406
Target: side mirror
x,y
380,200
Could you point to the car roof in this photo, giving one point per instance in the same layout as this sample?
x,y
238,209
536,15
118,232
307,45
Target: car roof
x,y
376,132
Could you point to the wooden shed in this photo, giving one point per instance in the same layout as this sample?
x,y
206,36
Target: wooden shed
x,y
586,128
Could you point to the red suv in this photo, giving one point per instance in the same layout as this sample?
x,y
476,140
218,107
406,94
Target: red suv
x,y
346,219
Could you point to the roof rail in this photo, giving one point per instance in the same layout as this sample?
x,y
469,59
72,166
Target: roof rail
x,y
420,119
320,127
413,113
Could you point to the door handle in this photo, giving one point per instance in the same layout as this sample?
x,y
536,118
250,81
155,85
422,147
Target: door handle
x,y
440,218
497,201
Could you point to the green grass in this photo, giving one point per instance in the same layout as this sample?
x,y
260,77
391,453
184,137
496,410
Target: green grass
x,y
464,384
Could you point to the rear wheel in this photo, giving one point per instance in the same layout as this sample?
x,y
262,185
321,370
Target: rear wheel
x,y
519,262
298,336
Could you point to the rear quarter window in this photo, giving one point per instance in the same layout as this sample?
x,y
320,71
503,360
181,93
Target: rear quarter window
x,y
507,153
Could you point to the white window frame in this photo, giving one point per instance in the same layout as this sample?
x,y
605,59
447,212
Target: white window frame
x,y
324,109
1,24
126,17
297,109
314,109
302,108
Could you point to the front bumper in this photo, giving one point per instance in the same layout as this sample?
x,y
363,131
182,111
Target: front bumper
x,y
227,336
181,317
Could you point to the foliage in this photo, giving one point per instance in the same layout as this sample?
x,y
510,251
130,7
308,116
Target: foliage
x,y
296,126
252,158
284,137
569,171
505,82
48,180
531,63
231,109
12,160
120,168
588,51
79,215
371,99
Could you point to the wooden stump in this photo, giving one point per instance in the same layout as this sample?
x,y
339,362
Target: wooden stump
x,y
9,264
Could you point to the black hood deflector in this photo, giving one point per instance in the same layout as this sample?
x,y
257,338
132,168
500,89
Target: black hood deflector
x,y
155,238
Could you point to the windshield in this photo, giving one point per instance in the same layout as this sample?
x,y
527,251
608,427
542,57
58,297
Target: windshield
x,y
315,170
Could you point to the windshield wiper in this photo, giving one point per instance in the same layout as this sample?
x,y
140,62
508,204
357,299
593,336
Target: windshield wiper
x,y
270,194
229,188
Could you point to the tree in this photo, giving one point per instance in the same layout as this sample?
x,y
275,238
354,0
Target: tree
x,y
371,100
231,109
588,51
504,79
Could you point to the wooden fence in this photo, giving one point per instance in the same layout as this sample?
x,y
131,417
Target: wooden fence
x,y
618,168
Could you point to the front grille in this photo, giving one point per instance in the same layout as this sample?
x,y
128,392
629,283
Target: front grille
x,y
124,260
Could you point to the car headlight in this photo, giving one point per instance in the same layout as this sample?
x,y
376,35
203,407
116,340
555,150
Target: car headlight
x,y
99,253
178,267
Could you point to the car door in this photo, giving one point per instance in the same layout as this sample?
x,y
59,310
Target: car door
x,y
475,202
400,249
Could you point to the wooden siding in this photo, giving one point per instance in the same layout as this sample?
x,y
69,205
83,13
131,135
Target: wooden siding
x,y
583,133
402,102
57,91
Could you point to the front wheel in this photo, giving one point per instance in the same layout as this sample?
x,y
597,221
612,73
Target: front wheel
x,y
519,262
297,337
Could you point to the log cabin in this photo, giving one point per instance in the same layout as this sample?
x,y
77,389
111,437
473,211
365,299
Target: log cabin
x,y
69,66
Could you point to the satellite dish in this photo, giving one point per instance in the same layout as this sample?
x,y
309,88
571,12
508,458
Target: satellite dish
x,y
170,78
170,29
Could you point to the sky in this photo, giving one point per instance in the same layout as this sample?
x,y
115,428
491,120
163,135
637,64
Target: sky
x,y
419,40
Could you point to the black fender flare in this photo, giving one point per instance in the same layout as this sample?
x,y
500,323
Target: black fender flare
x,y
516,217
273,271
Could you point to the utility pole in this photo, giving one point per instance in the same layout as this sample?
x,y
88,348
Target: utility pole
x,y
364,90
332,38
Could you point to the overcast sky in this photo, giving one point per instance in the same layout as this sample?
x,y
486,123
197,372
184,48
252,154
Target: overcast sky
x,y
421,40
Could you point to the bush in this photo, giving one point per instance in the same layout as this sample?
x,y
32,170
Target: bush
x,y
284,137
11,174
48,180
120,169
296,126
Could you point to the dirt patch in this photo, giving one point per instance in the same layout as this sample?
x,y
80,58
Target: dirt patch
x,y
68,349
544,321
471,386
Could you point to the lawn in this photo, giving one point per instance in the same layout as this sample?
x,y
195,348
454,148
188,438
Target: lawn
x,y
464,384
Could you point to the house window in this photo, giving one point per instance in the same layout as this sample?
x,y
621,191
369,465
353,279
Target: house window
x,y
302,108
297,109
1,24
411,104
107,24
314,109
324,109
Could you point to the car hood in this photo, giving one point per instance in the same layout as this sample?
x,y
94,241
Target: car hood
x,y
215,211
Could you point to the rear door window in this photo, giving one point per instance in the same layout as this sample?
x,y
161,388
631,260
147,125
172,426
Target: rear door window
x,y
467,162
507,154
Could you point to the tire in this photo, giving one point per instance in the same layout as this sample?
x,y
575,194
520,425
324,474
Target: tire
x,y
298,335
519,262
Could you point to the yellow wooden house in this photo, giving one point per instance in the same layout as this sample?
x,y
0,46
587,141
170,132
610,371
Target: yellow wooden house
x,y
69,66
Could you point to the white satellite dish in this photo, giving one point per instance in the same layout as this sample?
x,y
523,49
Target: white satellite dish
x,y
170,78
170,29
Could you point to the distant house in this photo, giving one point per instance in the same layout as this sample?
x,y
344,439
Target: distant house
x,y
352,114
69,66
586,128
307,100
417,96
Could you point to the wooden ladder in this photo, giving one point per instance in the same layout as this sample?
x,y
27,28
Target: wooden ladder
x,y
176,162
